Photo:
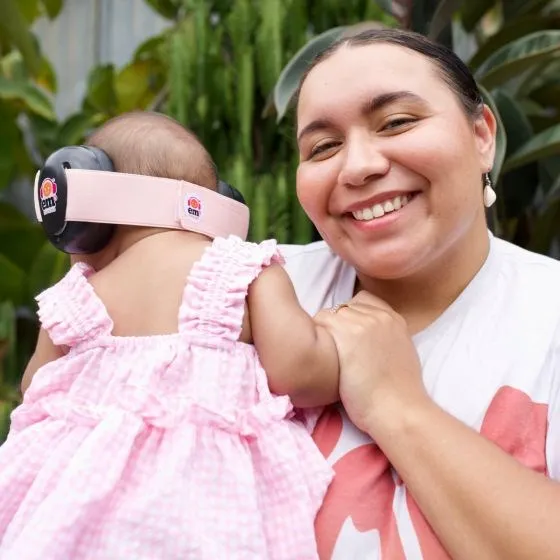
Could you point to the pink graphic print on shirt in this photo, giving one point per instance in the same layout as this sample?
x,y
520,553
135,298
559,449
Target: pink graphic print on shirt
x,y
364,486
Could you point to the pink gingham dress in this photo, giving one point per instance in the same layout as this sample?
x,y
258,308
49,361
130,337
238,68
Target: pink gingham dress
x,y
162,447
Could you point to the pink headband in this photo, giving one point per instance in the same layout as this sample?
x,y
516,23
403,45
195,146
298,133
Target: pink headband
x,y
121,198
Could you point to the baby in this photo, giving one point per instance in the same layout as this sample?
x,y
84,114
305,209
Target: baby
x,y
157,416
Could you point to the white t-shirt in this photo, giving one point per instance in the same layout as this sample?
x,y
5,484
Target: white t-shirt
x,y
492,359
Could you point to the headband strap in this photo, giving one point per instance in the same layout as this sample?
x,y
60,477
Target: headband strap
x,y
125,199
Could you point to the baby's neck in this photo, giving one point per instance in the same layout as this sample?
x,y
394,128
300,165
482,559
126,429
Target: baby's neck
x,y
127,237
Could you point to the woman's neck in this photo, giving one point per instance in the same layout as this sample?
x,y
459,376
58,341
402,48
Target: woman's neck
x,y
423,297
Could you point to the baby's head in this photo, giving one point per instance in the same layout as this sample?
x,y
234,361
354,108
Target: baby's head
x,y
145,143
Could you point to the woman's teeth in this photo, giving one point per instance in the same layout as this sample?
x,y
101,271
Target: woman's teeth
x,y
378,210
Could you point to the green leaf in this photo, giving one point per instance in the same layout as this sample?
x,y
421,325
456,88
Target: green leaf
x,y
150,49
30,9
382,11
553,194
101,94
14,27
28,95
166,8
442,16
7,319
12,281
11,143
531,108
44,134
289,79
510,32
548,96
137,84
260,208
74,130
549,177
53,7
546,228
12,66
5,411
46,77
269,44
516,8
386,5
501,138
544,144
49,267
422,12
8,361
517,189
516,57
517,126
545,74
473,11
20,239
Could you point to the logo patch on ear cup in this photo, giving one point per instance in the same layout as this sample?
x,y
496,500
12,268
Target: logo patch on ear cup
x,y
48,195
193,207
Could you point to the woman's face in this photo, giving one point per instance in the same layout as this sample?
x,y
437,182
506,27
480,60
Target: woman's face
x,y
390,165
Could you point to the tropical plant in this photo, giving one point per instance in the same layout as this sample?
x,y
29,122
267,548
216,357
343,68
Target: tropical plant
x,y
513,49
213,69
228,69
26,84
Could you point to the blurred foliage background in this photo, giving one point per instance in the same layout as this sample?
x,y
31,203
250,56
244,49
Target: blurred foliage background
x,y
227,69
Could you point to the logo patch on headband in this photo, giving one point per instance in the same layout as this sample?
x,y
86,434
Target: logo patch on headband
x,y
193,207
48,196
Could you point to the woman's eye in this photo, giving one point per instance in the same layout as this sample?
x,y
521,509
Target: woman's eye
x,y
320,148
398,122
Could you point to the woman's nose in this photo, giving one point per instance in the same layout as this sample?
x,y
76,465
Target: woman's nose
x,y
363,162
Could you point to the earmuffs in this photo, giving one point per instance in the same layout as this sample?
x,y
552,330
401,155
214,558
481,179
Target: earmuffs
x,y
80,199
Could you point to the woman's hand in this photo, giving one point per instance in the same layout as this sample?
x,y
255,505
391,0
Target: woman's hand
x,y
379,367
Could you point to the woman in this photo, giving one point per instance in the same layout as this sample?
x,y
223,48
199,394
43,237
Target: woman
x,y
449,338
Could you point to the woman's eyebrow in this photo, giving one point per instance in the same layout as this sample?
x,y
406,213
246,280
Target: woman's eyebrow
x,y
374,104
383,99
314,126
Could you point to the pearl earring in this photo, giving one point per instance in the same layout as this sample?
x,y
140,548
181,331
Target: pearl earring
x,y
489,194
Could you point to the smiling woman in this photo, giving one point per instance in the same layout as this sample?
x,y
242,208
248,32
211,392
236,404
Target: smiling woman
x,y
449,344
406,135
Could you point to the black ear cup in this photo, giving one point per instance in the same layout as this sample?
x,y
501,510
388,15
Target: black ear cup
x,y
226,189
52,194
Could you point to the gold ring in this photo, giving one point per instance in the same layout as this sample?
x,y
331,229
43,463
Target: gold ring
x,y
338,307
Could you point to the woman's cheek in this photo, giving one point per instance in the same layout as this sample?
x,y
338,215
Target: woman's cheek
x,y
313,191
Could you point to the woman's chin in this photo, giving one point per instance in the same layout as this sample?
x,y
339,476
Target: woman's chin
x,y
394,262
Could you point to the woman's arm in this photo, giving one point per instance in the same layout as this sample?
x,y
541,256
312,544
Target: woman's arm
x,y
298,355
481,502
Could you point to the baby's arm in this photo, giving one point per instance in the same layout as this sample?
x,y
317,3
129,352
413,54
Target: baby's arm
x,y
45,352
299,356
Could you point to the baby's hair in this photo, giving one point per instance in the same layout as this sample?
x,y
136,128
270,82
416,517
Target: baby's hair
x,y
146,143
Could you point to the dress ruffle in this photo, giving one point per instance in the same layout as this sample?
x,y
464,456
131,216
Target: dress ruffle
x,y
71,312
214,302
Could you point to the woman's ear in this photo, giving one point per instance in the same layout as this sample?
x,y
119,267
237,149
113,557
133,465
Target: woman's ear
x,y
485,136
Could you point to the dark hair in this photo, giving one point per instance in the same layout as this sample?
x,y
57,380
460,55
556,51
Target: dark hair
x,y
153,144
452,69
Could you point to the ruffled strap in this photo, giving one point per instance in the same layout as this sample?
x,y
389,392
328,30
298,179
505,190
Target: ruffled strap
x,y
71,312
214,298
